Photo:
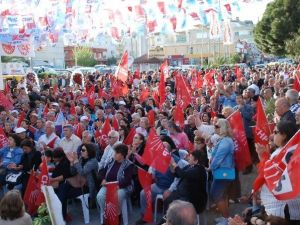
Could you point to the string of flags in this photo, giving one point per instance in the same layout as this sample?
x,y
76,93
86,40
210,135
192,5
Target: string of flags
x,y
85,21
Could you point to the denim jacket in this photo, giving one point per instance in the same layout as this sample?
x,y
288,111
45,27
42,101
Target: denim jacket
x,y
223,154
7,157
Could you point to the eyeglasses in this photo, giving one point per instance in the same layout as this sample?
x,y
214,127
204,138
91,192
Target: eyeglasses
x,y
276,132
217,126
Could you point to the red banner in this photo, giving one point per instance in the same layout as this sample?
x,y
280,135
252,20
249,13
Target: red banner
x,y
145,179
129,139
241,154
155,153
183,97
111,211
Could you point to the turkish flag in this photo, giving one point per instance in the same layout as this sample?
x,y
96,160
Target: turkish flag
x,y
262,129
91,97
209,78
155,153
151,118
178,115
111,211
21,119
106,128
5,102
129,139
115,123
122,70
241,154
3,138
281,172
145,179
238,73
183,97
296,84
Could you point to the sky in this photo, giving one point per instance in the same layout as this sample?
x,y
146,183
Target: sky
x,y
252,11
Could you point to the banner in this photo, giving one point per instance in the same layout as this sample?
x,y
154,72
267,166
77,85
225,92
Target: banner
x,y
23,50
111,211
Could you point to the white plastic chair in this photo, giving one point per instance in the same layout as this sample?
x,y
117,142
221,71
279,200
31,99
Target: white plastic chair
x,y
84,204
158,197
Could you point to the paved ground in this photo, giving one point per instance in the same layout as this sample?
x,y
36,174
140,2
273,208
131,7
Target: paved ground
x,y
77,216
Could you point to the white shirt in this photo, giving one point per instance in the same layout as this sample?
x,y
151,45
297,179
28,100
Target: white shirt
x,y
71,144
47,140
107,155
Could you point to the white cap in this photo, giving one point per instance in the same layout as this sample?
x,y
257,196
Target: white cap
x,y
55,104
14,111
122,103
83,118
19,130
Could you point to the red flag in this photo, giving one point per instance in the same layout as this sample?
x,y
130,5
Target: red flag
x,y
155,153
124,90
281,172
296,83
106,128
155,96
262,130
122,70
5,102
197,81
241,154
111,211
129,139
144,95
238,73
298,67
3,138
151,118
21,119
55,88
7,89
178,116
73,110
44,177
115,123
46,110
103,94
137,74
145,179
183,97
162,85
90,95
79,130
32,193
209,78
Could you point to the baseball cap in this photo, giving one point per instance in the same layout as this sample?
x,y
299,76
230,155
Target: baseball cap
x,y
19,130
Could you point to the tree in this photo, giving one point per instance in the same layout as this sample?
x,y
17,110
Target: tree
x,y
111,61
278,26
84,56
235,58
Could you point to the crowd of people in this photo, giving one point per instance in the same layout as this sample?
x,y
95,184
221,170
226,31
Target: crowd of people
x,y
60,120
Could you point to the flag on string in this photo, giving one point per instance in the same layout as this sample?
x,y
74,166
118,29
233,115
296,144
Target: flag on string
x,y
262,130
281,171
129,139
122,70
241,154
111,211
146,179
3,138
155,153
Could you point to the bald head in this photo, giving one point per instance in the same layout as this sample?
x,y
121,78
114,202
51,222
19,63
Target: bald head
x,y
282,106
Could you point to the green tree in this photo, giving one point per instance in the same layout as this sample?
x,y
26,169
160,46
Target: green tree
x,y
112,61
278,26
235,58
84,56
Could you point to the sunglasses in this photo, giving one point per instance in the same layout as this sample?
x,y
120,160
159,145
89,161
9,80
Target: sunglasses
x,y
217,126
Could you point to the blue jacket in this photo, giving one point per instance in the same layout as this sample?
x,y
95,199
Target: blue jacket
x,y
223,154
247,112
8,157
228,101
164,181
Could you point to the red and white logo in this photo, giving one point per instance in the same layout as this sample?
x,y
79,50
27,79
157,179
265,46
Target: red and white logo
x,y
8,49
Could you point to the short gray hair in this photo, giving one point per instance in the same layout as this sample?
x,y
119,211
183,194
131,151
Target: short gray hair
x,y
181,213
225,130
114,133
50,123
292,95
